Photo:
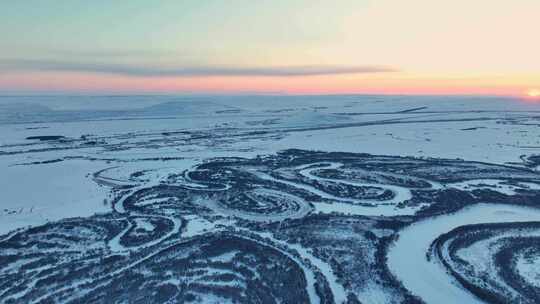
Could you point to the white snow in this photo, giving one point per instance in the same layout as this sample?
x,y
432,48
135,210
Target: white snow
x,y
498,185
496,130
34,195
346,206
429,280
340,296
529,269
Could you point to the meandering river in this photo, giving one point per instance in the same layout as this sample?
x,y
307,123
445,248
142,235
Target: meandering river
x,y
429,280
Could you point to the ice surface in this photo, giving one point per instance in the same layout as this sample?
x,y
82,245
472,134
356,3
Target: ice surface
x,y
113,146
407,257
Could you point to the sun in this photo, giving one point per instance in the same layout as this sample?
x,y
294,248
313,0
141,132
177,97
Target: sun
x,y
534,93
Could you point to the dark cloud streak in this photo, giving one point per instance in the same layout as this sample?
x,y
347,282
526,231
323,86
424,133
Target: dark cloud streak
x,y
189,71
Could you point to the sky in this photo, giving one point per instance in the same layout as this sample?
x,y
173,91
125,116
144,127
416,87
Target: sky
x,y
488,47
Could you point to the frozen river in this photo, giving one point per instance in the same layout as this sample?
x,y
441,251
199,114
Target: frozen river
x,y
429,280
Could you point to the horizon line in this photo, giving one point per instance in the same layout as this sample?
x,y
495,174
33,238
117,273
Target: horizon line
x,y
262,94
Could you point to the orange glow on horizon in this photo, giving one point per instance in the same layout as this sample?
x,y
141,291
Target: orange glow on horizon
x,y
534,93
403,84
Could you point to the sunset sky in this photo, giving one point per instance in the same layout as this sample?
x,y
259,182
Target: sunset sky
x,y
489,47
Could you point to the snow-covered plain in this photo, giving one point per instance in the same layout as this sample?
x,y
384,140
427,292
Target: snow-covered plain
x,y
112,147
428,279
495,130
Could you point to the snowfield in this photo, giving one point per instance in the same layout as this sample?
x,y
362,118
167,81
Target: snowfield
x,y
269,199
407,257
